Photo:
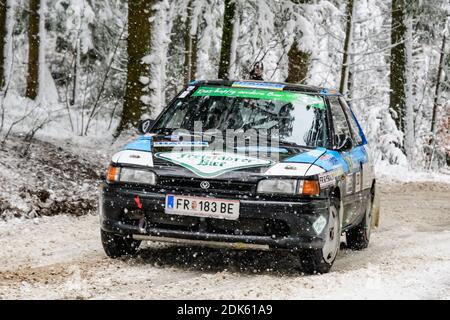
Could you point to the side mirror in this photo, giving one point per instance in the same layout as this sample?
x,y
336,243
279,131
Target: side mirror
x,y
144,126
345,143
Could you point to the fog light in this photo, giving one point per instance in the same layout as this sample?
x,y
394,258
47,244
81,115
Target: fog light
x,y
319,224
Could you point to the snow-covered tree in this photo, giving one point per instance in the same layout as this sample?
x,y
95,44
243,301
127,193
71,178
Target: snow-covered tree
x,y
138,46
386,56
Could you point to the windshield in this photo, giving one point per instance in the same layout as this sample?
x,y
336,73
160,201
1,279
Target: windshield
x,y
297,118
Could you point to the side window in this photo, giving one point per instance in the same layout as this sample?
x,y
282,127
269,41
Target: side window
x,y
179,115
353,125
341,128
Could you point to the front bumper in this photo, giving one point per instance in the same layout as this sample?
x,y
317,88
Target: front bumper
x,y
262,224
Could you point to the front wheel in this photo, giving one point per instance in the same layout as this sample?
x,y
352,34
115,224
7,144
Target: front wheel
x,y
117,246
321,260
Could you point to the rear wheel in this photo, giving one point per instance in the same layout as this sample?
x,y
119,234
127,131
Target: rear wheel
x,y
321,260
358,237
117,246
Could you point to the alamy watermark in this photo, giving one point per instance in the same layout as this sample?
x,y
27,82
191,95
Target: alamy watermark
x,y
258,143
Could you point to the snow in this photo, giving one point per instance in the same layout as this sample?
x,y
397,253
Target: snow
x,y
48,94
209,40
157,60
8,40
408,258
399,173
267,30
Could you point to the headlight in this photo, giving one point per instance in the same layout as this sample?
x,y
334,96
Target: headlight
x,y
287,186
131,175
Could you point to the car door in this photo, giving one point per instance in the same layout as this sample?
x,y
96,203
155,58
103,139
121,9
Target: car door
x,y
353,176
360,157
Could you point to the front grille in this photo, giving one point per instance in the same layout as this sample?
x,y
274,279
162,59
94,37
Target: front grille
x,y
219,186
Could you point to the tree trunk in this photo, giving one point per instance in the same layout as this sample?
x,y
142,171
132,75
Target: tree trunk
x,y
397,101
298,66
409,110
438,85
3,33
190,47
138,46
227,37
343,87
33,50
76,74
350,80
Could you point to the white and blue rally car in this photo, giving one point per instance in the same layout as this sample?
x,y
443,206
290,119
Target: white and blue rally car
x,y
245,165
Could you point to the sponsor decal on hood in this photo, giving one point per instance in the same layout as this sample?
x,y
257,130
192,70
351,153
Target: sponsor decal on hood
x,y
209,164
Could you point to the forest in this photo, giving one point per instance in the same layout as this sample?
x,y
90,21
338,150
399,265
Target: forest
x,y
76,78
94,68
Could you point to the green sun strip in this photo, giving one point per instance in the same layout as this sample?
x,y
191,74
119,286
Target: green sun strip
x,y
285,96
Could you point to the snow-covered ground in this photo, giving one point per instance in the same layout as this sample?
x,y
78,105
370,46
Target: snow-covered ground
x,y
61,257
46,253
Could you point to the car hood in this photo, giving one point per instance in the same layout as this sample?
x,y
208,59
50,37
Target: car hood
x,y
167,158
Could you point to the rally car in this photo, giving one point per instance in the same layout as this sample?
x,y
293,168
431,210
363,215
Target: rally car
x,y
244,165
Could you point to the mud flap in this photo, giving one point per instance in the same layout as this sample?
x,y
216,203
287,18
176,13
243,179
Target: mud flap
x,y
376,209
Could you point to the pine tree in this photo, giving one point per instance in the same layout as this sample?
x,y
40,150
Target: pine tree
x,y
298,66
33,50
227,38
138,46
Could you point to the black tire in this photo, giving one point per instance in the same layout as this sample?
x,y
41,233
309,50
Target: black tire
x,y
315,261
117,246
358,237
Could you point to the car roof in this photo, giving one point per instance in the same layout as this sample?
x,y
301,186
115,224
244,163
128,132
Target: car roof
x,y
267,85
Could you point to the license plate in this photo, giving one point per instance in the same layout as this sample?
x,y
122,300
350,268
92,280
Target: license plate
x,y
202,207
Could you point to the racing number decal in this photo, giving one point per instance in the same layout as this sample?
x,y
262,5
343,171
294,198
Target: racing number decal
x,y
327,179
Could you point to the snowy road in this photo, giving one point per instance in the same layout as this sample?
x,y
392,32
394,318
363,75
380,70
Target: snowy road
x,y
61,257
